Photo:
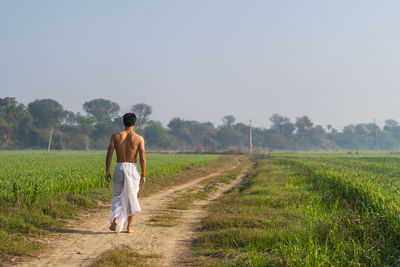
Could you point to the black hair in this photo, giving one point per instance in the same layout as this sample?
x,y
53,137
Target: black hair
x,y
129,119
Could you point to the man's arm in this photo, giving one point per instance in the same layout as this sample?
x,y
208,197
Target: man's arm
x,y
110,152
142,161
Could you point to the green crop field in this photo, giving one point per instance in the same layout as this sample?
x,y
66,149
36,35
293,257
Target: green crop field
x,y
308,209
39,190
29,175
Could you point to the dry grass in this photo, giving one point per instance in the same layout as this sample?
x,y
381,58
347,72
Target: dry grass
x,y
122,257
164,218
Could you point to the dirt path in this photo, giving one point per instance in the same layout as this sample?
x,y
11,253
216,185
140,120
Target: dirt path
x,y
85,240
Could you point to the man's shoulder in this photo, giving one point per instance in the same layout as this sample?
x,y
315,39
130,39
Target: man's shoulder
x,y
116,134
137,136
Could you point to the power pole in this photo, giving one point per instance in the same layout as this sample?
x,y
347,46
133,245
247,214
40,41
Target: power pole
x,y
51,136
250,140
376,136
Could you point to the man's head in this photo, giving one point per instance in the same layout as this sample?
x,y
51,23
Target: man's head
x,y
129,119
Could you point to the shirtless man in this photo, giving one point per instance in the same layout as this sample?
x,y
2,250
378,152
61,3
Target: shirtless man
x,y
126,178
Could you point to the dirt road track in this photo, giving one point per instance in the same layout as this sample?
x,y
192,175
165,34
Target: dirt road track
x,y
86,239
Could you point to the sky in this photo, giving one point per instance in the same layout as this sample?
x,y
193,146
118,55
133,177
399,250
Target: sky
x,y
337,62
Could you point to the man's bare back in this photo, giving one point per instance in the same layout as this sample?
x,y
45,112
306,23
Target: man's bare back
x,y
127,145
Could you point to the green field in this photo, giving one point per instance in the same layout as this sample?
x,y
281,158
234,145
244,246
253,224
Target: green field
x,y
39,190
294,209
308,209
28,175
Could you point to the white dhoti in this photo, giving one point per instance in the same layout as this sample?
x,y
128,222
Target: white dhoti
x,y
126,179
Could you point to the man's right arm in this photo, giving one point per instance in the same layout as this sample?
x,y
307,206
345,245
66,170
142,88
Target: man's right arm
x,y
110,152
142,161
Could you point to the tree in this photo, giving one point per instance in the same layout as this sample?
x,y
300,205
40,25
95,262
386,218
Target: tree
x,y
228,120
87,123
389,124
46,112
176,124
15,122
304,125
13,112
70,117
102,110
282,124
155,135
278,121
143,112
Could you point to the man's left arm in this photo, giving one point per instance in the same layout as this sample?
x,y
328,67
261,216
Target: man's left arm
x,y
142,157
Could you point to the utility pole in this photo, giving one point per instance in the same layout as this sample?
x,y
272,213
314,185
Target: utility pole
x,y
51,136
376,136
250,140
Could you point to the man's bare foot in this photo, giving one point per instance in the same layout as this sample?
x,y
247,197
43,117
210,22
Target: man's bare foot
x,y
129,230
113,226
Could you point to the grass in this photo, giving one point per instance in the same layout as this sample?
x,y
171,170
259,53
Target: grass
x,y
24,222
280,217
165,218
171,214
122,257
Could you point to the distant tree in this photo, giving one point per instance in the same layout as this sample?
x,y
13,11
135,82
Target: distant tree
x,y
282,124
208,125
348,129
229,137
13,112
5,129
87,123
278,121
143,112
69,117
329,127
176,124
287,129
228,120
103,110
303,125
15,122
155,135
389,124
46,113
119,122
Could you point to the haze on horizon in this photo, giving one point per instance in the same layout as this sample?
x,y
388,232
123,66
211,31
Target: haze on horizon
x,y
337,62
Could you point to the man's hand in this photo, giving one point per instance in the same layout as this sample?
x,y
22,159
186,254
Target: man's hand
x,y
142,180
108,177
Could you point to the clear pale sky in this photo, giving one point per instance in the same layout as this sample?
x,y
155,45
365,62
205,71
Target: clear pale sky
x,y
336,61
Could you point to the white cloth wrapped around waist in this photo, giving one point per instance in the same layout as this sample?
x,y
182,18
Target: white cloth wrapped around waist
x,y
126,180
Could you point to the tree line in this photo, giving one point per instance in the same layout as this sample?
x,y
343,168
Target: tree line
x,y
29,127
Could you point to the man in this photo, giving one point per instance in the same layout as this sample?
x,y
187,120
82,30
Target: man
x,y
126,177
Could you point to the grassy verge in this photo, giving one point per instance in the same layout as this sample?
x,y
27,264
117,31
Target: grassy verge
x,y
122,257
23,223
279,218
164,181
170,215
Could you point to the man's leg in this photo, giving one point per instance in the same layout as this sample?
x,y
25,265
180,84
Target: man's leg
x,y
118,184
130,221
